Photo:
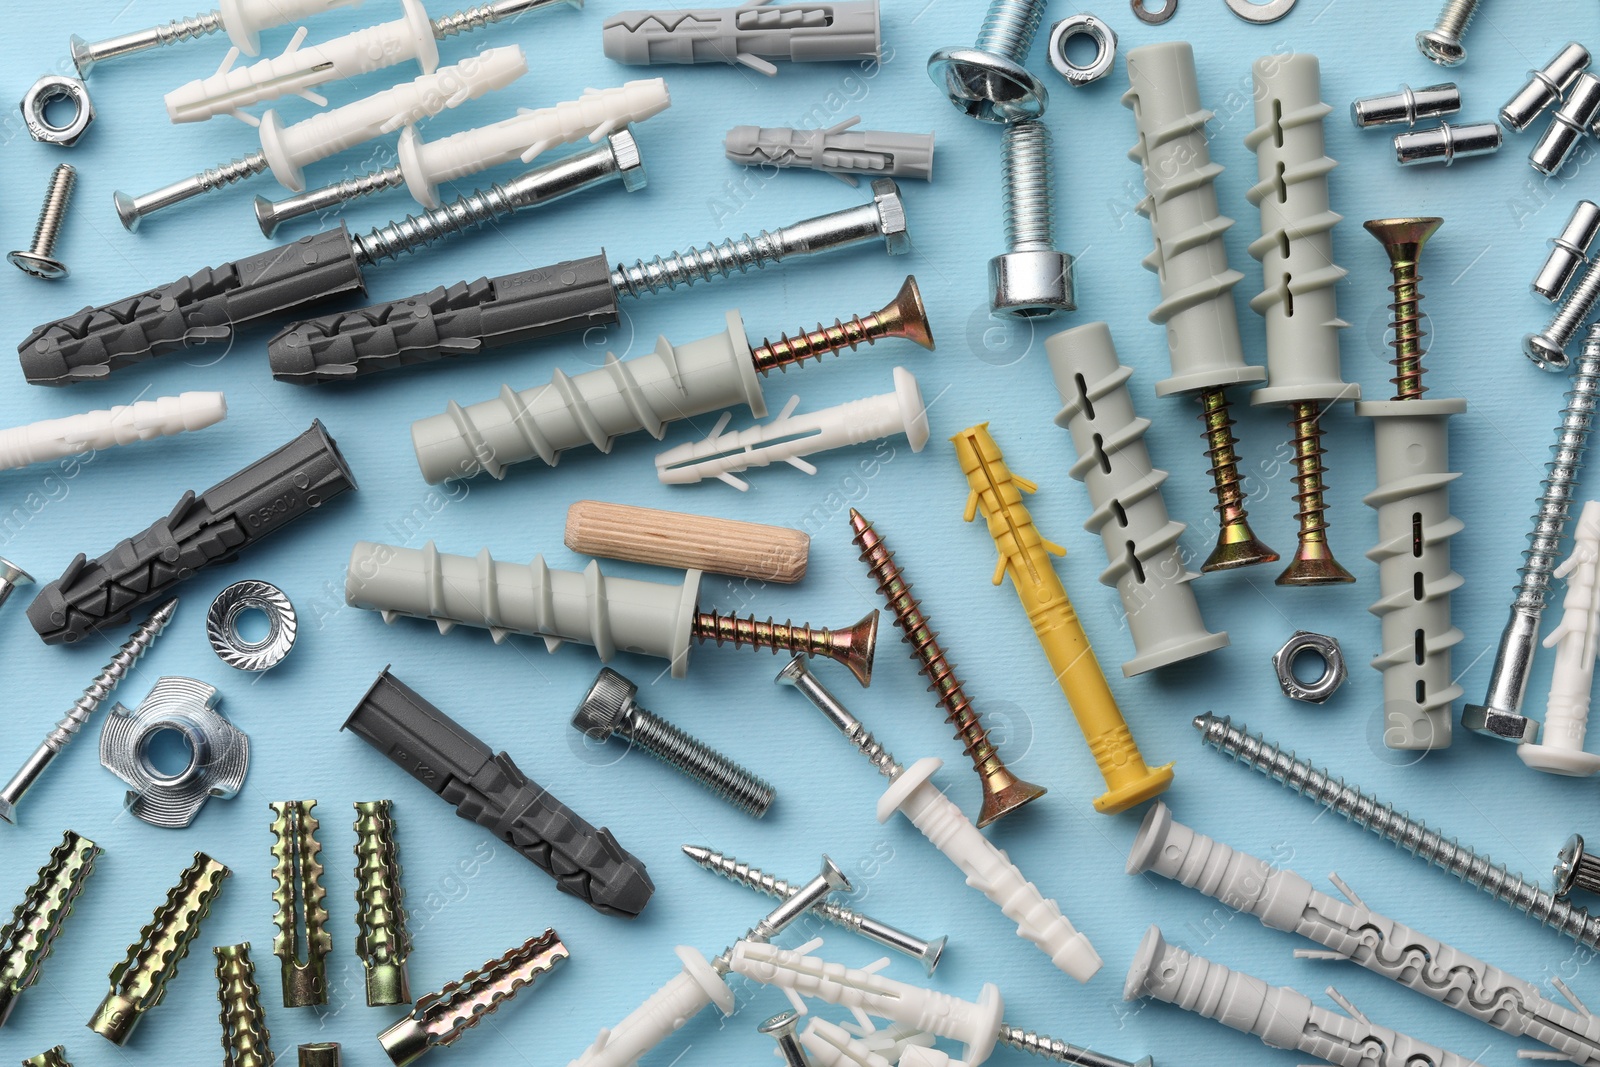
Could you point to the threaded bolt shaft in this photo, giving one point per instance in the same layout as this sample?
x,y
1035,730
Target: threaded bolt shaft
x,y
1412,835
853,647
1442,44
1237,545
1027,173
60,736
133,209
1002,791
38,259
415,232
1009,27
1547,349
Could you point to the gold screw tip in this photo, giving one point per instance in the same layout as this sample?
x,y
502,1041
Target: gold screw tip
x,y
1404,237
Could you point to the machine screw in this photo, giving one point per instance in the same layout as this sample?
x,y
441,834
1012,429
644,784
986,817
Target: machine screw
x,y
1413,835
1548,349
1403,240
1237,544
610,710
928,953
853,647
1442,44
245,1041
989,80
36,258
1500,714
78,716
1032,279
781,1028
1576,869
904,316
1002,791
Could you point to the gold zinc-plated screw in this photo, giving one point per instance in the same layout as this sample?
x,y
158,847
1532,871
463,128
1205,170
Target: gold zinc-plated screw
x,y
904,316
853,647
27,939
1313,562
1237,544
1403,240
140,981
245,1041
382,941
302,942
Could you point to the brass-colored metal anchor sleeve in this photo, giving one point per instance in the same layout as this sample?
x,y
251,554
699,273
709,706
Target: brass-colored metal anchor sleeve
x,y
139,981
26,940
50,1057
245,1041
441,1018
1002,791
382,941
302,942
996,493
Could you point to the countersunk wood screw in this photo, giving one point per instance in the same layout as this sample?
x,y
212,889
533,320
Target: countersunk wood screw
x,y
1403,240
37,258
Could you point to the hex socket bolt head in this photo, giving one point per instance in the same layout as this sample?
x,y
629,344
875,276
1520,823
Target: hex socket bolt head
x,y
604,705
1027,285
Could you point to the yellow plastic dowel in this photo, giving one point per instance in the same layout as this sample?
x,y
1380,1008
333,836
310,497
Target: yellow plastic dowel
x,y
1025,555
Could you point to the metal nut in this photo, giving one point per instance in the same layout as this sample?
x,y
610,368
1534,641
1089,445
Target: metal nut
x,y
1333,668
1082,25
222,626
53,87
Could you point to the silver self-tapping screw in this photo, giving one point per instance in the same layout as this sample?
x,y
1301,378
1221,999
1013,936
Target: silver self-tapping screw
x,y
480,15
78,716
927,953
1053,1048
37,259
884,218
1442,44
609,709
798,675
1413,835
1500,714
989,81
1575,868
86,54
1548,349
1031,279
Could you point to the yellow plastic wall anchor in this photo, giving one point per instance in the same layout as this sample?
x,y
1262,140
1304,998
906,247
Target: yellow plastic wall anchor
x,y
1025,555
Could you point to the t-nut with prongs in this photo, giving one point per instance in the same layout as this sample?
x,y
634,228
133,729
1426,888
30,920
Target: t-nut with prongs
x,y
219,754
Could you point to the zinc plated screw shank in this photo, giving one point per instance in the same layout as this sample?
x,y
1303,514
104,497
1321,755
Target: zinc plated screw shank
x,y
1548,349
245,1041
35,924
78,717
1413,835
37,259
1442,44
1003,791
382,941
610,710
927,953
1513,661
853,647
86,54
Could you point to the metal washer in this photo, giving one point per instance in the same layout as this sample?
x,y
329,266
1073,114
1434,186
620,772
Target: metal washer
x,y
1154,18
222,625
1261,14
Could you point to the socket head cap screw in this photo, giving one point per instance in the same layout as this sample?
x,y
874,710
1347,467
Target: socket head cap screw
x,y
986,86
1545,353
604,705
1442,48
1027,285
891,216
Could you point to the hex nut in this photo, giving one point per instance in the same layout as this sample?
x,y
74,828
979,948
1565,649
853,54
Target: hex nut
x,y
1082,25
1333,669
53,87
892,216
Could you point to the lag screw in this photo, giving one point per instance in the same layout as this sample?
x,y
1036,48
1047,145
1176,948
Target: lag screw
x,y
27,939
36,258
382,940
1003,791
245,1041
302,942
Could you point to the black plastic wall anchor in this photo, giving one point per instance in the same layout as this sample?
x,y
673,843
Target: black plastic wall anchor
x,y
488,789
200,531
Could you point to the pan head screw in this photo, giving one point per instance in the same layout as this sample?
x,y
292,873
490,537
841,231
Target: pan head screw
x,y
989,81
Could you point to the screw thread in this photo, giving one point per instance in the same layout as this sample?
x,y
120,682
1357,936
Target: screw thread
x,y
696,759
762,633
1009,27
375,181
1576,308
26,941
1455,17
762,882
1226,485
880,758
245,1040
233,171
464,1003
1408,333
110,675
1305,426
790,351
55,209
1026,173
699,264
465,21
187,29
418,231
1412,835
1050,1048
1560,484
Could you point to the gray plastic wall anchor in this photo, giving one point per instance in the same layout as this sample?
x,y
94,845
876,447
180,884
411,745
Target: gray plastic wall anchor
x,y
1298,298
612,614
488,789
202,308
1141,539
838,150
1280,1016
1414,576
592,408
751,34
1283,900
199,531
1189,257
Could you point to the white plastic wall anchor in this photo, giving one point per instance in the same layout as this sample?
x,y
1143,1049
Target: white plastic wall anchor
x,y
287,149
525,136
1577,640
1281,1017
663,1013
831,1045
245,19
1349,930
988,869
296,69
140,421
788,438
976,1024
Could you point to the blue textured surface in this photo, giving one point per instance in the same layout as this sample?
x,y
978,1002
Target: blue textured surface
x,y
471,898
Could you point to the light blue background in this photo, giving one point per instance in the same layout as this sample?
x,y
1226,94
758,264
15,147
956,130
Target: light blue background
x,y
471,898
